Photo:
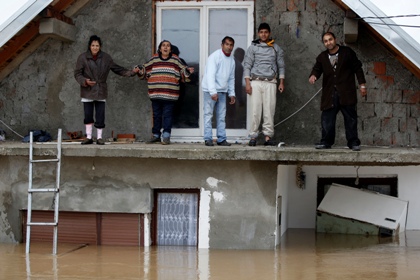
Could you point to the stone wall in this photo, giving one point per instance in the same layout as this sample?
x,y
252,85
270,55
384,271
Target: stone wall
x,y
42,93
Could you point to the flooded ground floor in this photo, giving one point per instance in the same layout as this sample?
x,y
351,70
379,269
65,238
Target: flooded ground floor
x,y
303,254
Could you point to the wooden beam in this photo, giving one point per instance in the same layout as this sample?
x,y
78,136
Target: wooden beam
x,y
62,5
340,4
19,41
77,6
6,69
50,12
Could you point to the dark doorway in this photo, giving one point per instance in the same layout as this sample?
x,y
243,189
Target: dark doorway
x,y
383,185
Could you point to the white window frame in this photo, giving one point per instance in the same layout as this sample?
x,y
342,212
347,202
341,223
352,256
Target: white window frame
x,y
194,134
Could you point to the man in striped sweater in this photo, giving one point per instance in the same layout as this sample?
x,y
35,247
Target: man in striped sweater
x,y
163,73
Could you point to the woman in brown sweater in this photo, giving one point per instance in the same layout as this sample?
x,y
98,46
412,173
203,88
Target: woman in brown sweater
x,y
91,73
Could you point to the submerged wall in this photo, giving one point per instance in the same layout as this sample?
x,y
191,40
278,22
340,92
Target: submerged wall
x,y
241,204
301,211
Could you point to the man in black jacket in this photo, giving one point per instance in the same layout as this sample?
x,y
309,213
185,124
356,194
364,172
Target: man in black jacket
x,y
340,65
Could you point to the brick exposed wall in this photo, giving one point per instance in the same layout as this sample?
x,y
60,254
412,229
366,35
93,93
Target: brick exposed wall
x,y
389,114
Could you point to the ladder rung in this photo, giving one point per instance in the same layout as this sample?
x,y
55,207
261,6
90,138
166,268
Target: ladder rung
x,y
43,190
44,160
42,224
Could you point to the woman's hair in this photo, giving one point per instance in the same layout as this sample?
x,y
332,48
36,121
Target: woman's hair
x,y
160,45
94,38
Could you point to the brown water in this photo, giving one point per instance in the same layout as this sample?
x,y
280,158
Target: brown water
x,y
303,254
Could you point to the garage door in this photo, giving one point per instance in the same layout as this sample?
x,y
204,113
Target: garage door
x,y
88,228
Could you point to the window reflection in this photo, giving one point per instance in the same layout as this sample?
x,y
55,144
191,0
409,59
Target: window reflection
x,y
232,22
182,29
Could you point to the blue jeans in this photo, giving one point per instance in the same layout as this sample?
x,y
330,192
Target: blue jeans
x,y
162,117
220,105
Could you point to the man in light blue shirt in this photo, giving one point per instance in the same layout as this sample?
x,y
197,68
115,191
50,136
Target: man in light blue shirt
x,y
218,82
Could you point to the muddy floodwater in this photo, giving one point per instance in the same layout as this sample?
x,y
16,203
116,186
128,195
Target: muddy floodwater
x,y
303,254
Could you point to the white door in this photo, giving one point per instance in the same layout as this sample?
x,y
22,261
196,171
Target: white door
x,y
197,29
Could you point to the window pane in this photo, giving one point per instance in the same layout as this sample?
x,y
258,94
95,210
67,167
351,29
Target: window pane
x,y
182,29
177,219
233,23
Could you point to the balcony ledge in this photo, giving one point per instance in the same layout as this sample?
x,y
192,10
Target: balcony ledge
x,y
288,155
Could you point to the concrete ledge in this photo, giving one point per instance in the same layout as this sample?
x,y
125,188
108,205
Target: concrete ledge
x,y
58,29
369,156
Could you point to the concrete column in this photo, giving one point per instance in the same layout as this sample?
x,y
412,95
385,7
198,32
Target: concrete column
x,y
58,29
350,30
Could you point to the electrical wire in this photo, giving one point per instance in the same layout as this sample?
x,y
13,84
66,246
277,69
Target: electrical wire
x,y
393,24
398,16
300,109
389,17
12,129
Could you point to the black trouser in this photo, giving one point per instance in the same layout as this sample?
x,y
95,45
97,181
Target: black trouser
x,y
99,107
328,118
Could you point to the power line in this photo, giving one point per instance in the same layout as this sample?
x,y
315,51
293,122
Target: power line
x,y
393,24
397,16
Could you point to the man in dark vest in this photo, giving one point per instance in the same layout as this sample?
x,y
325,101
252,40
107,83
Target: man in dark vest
x,y
340,65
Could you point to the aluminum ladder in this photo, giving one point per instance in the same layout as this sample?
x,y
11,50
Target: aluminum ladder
x,y
32,190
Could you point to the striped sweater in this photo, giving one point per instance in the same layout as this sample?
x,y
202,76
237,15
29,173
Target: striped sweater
x,y
163,77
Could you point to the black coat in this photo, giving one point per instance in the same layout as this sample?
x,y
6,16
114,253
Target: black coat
x,y
342,79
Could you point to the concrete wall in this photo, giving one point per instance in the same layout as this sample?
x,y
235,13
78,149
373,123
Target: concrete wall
x,y
240,197
284,177
238,202
42,93
237,207
302,202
